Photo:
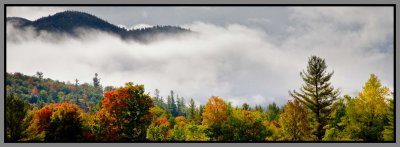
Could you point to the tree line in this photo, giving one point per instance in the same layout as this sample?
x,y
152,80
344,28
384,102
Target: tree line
x,y
40,109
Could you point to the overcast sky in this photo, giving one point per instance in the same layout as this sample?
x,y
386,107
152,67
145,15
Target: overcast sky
x,y
242,54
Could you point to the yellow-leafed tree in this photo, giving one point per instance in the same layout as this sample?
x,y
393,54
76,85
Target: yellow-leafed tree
x,y
367,114
294,122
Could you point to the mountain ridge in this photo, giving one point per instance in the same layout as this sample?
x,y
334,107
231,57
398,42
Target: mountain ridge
x,y
69,21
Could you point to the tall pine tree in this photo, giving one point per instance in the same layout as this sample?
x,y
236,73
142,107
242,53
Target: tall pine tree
x,y
317,94
192,110
172,105
96,80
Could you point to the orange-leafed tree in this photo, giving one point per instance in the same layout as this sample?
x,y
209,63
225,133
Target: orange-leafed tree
x,y
35,91
180,120
215,114
126,113
57,122
216,111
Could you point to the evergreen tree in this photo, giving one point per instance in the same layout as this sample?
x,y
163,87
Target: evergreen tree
x,y
273,111
178,105
181,108
76,83
39,75
245,106
172,105
157,99
169,104
76,90
259,108
388,133
192,110
200,114
335,128
16,110
317,94
96,81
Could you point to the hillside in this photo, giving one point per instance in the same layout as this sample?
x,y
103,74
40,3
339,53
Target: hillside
x,y
69,22
39,91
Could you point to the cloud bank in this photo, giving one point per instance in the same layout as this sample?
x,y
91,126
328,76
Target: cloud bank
x,y
235,61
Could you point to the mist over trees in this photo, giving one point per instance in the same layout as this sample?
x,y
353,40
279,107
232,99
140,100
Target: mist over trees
x,y
69,23
42,109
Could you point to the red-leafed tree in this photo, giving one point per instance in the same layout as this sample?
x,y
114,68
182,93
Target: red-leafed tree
x,y
125,113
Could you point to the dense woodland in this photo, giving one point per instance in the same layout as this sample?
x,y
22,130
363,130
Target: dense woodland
x,y
42,109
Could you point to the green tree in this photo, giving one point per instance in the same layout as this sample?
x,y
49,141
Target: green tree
x,y
96,81
44,96
179,133
335,128
245,125
200,114
108,88
388,133
16,110
171,104
317,94
159,128
273,111
39,75
195,132
158,132
192,110
245,106
259,108
181,108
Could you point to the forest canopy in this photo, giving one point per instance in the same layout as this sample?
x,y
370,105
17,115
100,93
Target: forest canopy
x,y
42,109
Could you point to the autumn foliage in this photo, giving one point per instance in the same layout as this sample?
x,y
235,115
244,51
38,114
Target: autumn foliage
x,y
57,122
294,122
125,113
128,114
215,112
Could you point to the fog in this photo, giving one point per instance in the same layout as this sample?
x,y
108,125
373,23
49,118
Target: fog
x,y
236,61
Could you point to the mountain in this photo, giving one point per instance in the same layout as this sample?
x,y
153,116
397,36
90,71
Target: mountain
x,y
69,21
18,21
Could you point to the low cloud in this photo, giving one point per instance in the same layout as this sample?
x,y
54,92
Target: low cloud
x,y
236,62
135,27
33,13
